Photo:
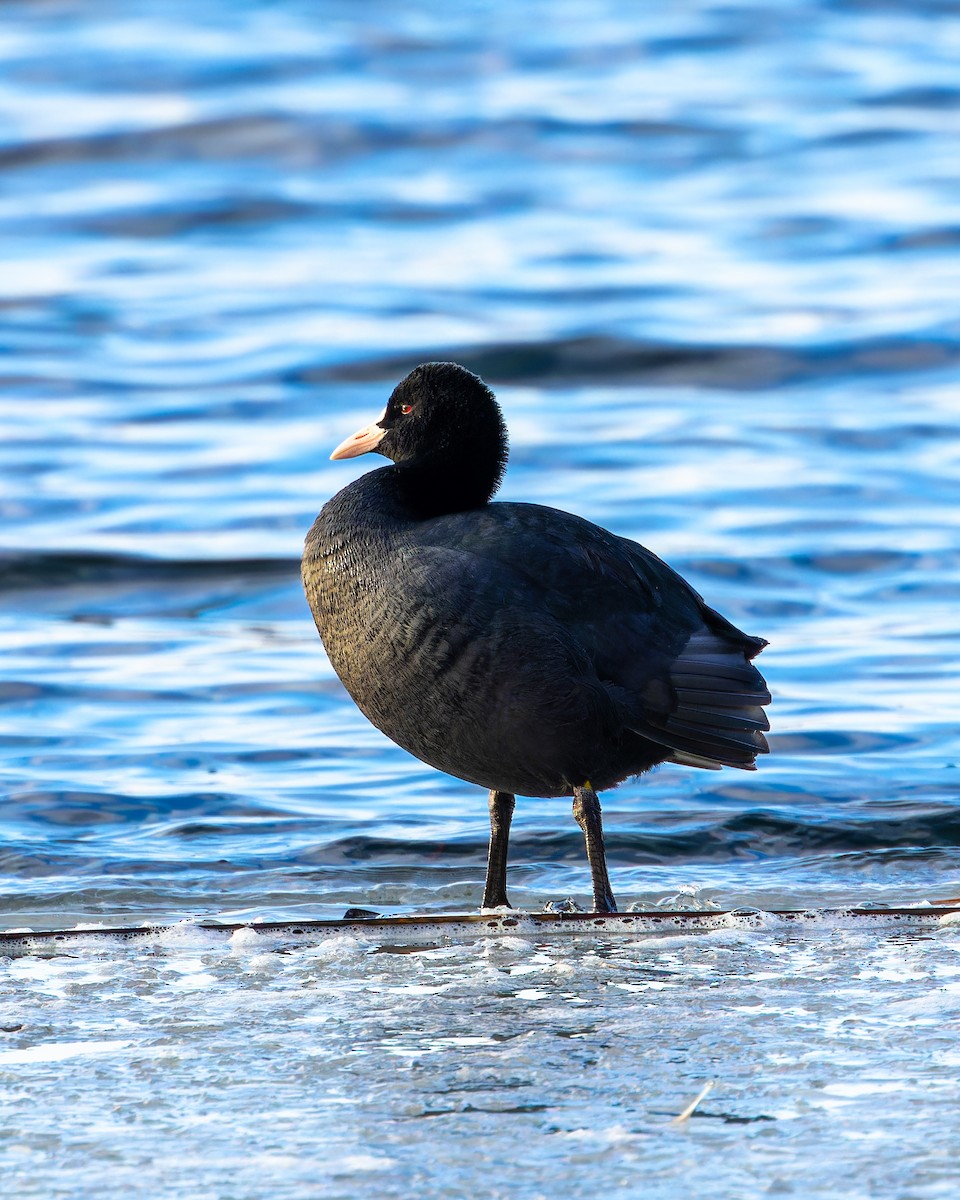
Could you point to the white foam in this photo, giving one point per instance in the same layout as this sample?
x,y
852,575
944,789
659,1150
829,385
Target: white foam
x,y
59,1051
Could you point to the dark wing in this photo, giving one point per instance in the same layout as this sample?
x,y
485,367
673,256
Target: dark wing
x,y
679,672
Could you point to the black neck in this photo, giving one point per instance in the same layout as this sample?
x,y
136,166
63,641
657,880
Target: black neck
x,y
436,485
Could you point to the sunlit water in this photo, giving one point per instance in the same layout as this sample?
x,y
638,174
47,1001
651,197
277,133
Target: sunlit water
x,y
709,258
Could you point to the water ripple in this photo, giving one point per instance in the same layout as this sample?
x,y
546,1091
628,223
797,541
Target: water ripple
x,y
709,260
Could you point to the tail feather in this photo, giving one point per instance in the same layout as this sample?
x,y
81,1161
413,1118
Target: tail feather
x,y
712,714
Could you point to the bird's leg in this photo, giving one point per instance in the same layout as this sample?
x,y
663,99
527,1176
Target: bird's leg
x,y
586,810
501,813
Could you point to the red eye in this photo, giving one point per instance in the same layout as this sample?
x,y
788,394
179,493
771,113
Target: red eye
x,y
406,409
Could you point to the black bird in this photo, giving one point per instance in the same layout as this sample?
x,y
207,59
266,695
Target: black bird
x,y
512,645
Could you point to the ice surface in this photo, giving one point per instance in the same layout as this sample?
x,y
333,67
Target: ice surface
x,y
195,1063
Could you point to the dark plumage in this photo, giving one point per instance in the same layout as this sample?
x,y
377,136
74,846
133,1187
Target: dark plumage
x,y
512,645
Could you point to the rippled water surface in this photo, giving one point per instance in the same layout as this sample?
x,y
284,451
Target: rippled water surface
x,y
709,258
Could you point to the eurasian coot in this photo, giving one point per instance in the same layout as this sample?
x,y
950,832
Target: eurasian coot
x,y
512,645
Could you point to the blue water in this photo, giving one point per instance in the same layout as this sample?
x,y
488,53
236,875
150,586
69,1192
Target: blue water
x,y
708,256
